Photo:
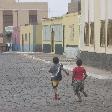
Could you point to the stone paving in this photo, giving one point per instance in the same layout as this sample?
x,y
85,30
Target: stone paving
x,y
25,87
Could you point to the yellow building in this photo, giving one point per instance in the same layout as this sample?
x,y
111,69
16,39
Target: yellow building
x,y
96,33
52,39
71,34
61,34
31,38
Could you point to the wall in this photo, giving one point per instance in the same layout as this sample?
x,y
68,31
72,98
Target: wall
x,y
71,35
66,34
26,30
22,10
34,39
71,29
96,54
16,39
39,38
74,6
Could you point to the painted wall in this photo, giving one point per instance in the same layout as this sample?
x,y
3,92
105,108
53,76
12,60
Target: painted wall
x,y
71,29
24,41
20,11
71,34
33,41
102,13
16,39
66,33
96,55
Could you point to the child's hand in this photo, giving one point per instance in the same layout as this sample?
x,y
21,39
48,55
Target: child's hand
x,y
72,83
61,65
85,76
67,73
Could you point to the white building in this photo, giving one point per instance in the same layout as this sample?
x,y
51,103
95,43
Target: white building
x,y
96,33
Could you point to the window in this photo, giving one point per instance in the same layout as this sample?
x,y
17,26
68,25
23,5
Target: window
x,y
102,34
92,33
33,17
86,34
22,36
25,36
109,33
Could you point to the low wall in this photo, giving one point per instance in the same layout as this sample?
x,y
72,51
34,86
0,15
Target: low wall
x,y
72,52
99,60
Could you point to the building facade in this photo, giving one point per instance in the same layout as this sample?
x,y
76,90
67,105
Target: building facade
x,y
74,6
96,33
31,38
14,13
71,24
61,35
52,38
15,40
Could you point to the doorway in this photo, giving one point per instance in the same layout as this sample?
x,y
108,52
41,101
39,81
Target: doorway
x,y
52,40
22,43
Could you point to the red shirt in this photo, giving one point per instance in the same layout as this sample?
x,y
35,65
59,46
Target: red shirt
x,y
78,73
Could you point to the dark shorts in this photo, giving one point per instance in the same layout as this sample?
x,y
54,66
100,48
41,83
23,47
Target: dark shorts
x,y
78,86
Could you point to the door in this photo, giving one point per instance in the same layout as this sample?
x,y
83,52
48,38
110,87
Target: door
x,y
52,40
22,43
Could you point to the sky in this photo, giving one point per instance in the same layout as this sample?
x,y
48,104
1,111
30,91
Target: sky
x,y
56,7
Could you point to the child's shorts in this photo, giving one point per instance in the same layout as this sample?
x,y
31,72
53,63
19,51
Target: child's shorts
x,y
55,83
78,86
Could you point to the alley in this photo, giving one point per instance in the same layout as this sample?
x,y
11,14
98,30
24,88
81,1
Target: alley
x,y
25,87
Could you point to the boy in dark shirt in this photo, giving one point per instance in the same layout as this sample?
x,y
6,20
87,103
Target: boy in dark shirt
x,y
79,75
56,75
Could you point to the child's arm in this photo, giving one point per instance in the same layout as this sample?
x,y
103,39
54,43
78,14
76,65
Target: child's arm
x,y
66,72
51,69
64,69
85,76
72,77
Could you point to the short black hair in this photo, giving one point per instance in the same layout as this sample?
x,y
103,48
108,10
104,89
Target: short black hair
x,y
79,62
55,60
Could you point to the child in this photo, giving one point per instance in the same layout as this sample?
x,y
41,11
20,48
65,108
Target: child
x,y
79,75
56,75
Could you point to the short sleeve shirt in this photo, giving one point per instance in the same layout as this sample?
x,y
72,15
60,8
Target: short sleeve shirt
x,y
79,73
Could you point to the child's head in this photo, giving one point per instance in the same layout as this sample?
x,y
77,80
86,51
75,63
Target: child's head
x,y
79,62
55,60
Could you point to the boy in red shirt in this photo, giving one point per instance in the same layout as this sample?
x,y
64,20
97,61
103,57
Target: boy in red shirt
x,y
79,75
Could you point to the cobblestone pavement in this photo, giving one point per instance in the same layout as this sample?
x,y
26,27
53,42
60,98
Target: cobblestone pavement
x,y
25,87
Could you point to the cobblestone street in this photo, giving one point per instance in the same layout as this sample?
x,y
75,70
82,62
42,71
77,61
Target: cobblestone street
x,y
25,87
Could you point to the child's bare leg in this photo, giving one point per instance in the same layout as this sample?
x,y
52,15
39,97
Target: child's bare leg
x,y
84,93
56,97
55,90
79,96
